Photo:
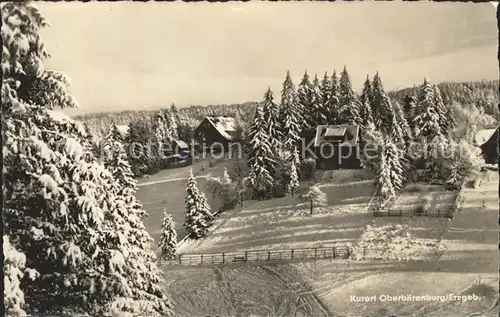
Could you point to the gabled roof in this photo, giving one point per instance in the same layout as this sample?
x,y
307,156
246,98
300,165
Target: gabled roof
x,y
343,131
483,136
224,125
181,144
123,129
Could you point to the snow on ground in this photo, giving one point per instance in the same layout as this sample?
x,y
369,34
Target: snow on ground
x,y
336,288
169,191
286,223
414,196
241,291
393,242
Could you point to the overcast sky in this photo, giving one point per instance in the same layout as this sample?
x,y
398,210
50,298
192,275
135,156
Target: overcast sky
x,y
129,55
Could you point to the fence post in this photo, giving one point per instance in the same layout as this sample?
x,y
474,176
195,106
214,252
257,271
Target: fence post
x,y
201,258
315,253
269,255
246,255
180,256
439,213
291,255
401,212
333,253
223,257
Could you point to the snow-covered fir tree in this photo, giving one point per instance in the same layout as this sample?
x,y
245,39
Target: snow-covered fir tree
x,y
365,111
160,127
290,114
305,98
396,134
318,111
333,106
410,102
14,271
427,120
400,121
441,110
168,239
172,124
177,118
326,93
261,158
61,208
367,92
393,157
198,213
437,157
374,147
115,160
294,178
142,148
270,110
383,115
316,198
383,183
349,101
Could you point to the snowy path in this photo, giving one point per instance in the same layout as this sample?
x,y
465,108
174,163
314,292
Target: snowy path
x,y
172,180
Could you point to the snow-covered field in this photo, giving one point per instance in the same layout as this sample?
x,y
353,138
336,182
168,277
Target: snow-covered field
x,y
170,187
467,246
285,223
242,291
416,195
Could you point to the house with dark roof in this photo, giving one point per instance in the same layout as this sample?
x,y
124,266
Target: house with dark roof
x,y
215,133
337,147
487,140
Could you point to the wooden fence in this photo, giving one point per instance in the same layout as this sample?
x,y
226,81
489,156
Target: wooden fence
x,y
448,213
338,252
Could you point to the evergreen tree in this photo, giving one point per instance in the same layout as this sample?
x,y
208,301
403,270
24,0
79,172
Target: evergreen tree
x,y
270,110
410,103
305,96
367,93
168,239
115,161
333,106
316,197
326,93
441,111
14,272
143,148
198,214
382,111
160,128
294,178
318,111
349,102
373,149
171,123
427,119
365,111
400,121
61,209
383,182
290,114
393,157
176,117
260,157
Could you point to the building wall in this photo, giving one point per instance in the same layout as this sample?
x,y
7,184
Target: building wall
x,y
206,135
338,157
490,149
